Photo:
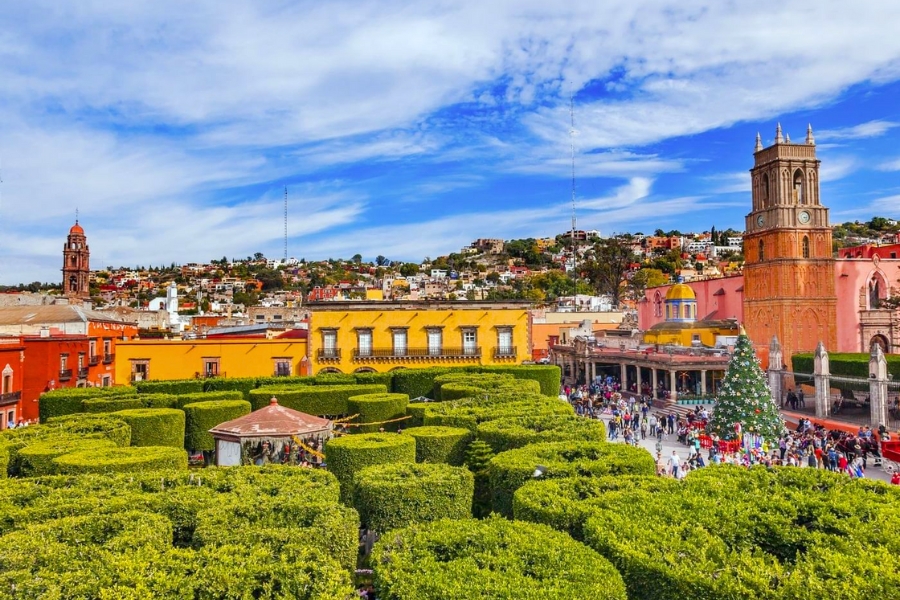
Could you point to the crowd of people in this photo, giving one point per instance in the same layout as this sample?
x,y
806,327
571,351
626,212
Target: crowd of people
x,y
632,419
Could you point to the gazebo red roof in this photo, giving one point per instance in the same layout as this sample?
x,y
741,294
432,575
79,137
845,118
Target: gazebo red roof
x,y
273,421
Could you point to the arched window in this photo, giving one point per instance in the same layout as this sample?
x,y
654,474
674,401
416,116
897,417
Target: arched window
x,y
762,250
798,187
805,246
765,189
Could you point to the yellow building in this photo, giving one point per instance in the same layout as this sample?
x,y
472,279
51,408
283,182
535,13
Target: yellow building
x,y
682,328
185,359
350,337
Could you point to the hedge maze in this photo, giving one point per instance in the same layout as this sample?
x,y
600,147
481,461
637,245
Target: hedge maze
x,y
99,502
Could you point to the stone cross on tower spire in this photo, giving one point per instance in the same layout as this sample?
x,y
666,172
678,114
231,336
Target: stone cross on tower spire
x,y
778,138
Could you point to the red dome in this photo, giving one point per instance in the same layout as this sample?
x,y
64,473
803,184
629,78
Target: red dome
x,y
76,228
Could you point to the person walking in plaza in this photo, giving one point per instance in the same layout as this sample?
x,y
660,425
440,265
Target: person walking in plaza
x,y
800,400
674,464
671,422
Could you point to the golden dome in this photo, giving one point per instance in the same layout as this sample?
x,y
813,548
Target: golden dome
x,y
680,291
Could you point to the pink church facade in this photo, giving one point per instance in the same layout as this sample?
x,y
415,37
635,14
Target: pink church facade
x,y
860,285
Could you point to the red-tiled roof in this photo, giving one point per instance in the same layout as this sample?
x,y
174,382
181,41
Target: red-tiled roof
x,y
272,421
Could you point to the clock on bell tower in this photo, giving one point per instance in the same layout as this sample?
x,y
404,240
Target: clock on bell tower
x,y
788,258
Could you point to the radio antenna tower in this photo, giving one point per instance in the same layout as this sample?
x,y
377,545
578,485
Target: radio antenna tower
x,y
285,225
572,141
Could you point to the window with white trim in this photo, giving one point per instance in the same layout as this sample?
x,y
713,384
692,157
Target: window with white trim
x,y
364,342
399,339
435,341
504,341
329,343
470,341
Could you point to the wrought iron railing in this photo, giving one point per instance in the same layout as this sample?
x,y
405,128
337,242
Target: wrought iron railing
x,y
108,358
505,352
10,397
65,374
400,353
83,373
329,354
94,360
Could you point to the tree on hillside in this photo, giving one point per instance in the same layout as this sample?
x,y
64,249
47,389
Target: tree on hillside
x,y
606,265
409,269
646,278
381,261
745,399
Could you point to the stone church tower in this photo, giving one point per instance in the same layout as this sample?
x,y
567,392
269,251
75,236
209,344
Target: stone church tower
x,y
789,266
76,264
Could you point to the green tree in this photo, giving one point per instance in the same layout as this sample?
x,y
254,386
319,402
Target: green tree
x,y
608,262
409,269
745,398
381,261
646,278
357,259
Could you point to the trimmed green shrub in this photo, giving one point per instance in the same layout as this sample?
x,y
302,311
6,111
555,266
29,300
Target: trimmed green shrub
x,y
175,386
348,455
548,376
92,425
729,532
122,460
845,364
36,459
511,469
159,400
416,412
154,426
396,495
67,401
184,399
469,413
107,405
440,444
200,417
385,379
290,380
565,504
335,379
313,400
416,383
493,558
376,408
4,460
515,432
233,384
466,380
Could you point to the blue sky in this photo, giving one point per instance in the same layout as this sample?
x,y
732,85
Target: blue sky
x,y
410,129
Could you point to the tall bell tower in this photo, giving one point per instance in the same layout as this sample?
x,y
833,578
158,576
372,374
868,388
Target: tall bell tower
x,y
788,259
76,264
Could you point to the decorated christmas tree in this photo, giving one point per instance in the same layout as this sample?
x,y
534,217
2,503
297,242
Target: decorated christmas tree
x,y
744,403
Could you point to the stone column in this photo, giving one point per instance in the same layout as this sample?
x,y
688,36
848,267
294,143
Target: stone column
x,y
653,382
623,371
776,371
638,381
703,382
878,379
593,370
673,386
822,380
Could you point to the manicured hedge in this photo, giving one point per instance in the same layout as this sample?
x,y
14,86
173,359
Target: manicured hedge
x,y
121,460
565,504
183,399
845,364
175,386
200,417
454,390
313,400
335,379
290,380
348,455
36,459
548,376
232,384
469,414
514,432
396,495
92,425
508,471
67,401
417,382
476,380
416,412
385,379
728,532
107,405
493,558
440,444
4,460
376,408
154,426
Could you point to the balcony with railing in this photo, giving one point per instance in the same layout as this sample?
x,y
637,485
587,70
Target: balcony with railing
x,y
415,354
505,352
94,360
10,397
108,358
328,354
83,373
65,374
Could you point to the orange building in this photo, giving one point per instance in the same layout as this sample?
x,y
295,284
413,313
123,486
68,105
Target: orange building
x,y
12,373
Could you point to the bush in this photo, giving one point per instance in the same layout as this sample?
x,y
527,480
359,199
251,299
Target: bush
x,y
508,471
454,390
416,412
547,376
493,558
377,408
175,386
107,405
97,425
233,384
417,383
200,417
4,460
440,444
845,364
184,399
335,379
515,432
385,379
469,414
67,401
816,535
396,495
348,455
291,380
474,380
36,459
154,426
122,460
313,400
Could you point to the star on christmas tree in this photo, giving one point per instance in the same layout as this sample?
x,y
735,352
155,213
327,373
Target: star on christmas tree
x,y
744,398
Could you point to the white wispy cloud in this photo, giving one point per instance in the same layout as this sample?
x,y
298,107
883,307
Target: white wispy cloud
x,y
869,129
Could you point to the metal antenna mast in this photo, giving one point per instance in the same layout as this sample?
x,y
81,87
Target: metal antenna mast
x,y
285,224
572,141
